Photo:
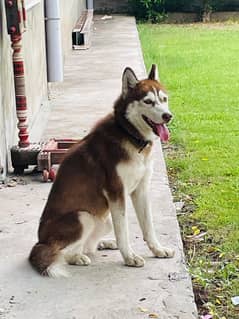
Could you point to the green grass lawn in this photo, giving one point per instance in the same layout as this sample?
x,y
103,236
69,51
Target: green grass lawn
x,y
199,65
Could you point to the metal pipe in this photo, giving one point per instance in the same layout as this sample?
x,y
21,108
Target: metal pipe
x,y
90,4
53,41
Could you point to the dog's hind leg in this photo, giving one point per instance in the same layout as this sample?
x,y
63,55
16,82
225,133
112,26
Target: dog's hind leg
x,y
74,253
102,228
55,235
107,244
48,260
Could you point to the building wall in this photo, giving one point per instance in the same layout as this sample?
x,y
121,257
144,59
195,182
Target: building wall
x,y
110,6
34,52
225,16
70,12
115,6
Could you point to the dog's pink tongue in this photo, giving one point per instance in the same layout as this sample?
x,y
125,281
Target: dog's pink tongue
x,y
163,132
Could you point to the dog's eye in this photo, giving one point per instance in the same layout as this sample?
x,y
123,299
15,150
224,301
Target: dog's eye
x,y
163,99
148,101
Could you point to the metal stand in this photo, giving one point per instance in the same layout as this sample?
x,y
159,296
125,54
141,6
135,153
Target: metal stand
x,y
52,153
43,156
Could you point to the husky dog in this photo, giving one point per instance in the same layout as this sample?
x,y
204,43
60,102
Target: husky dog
x,y
114,160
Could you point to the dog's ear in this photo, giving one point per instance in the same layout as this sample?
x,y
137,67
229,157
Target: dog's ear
x,y
129,81
153,74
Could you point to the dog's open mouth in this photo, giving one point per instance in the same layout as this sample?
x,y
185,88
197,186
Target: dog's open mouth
x,y
159,129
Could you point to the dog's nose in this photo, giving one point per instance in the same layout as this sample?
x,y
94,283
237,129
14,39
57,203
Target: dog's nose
x,y
167,117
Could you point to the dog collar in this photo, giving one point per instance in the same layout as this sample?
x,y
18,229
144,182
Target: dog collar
x,y
133,134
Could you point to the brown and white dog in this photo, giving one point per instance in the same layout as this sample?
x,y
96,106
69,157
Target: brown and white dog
x,y
97,174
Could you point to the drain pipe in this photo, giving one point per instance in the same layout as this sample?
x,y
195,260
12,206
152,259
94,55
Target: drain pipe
x,y
89,4
53,41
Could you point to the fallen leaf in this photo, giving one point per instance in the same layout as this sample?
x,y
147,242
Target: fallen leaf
x,y
106,17
141,309
153,278
196,230
21,222
153,315
218,301
211,249
11,184
221,255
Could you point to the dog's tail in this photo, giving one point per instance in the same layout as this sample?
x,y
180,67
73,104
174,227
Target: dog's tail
x,y
45,259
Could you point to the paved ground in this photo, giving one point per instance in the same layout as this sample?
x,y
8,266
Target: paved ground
x,y
106,289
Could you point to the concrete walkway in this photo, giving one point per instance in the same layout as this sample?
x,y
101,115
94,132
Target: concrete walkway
x,y
106,289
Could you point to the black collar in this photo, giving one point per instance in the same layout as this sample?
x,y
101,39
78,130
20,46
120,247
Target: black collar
x,y
133,134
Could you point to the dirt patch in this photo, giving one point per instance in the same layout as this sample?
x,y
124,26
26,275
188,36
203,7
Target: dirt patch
x,y
181,17
225,16
215,17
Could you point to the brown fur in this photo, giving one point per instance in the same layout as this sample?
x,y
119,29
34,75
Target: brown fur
x,y
87,170
89,165
137,93
42,256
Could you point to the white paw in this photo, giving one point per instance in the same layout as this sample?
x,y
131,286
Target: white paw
x,y
79,260
56,270
107,244
134,261
163,252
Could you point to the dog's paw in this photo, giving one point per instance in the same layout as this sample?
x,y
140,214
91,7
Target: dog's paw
x,y
56,271
134,261
79,260
107,244
163,252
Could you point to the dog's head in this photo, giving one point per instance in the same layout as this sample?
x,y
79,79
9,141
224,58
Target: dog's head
x,y
146,104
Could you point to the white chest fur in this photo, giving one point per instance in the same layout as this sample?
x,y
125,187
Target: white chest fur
x,y
134,170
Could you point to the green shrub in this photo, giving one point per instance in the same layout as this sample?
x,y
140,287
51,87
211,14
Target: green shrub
x,y
156,10
148,10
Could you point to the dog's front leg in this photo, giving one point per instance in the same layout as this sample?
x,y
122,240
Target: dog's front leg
x,y
118,212
140,199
